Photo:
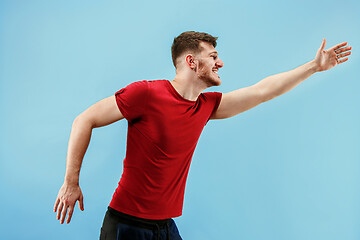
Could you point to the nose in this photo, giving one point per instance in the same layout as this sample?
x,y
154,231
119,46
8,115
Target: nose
x,y
219,63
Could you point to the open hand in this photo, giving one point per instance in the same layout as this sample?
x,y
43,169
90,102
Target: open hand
x,y
326,59
66,199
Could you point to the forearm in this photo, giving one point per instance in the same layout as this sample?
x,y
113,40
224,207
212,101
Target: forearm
x,y
278,84
78,144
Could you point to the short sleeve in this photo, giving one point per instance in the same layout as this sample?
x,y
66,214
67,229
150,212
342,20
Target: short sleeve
x,y
214,98
132,100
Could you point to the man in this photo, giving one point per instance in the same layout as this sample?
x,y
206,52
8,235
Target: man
x,y
165,119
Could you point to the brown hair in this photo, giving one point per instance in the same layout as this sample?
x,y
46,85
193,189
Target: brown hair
x,y
189,41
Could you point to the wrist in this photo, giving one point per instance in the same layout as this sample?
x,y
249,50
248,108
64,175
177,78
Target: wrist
x,y
71,180
314,67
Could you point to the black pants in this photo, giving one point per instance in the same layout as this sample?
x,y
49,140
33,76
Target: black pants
x,y
121,226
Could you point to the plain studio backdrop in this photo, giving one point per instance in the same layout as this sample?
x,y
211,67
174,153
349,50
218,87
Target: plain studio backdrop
x,y
287,169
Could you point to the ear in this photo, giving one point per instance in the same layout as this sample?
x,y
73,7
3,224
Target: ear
x,y
190,61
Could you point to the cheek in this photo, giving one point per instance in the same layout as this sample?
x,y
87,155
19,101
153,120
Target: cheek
x,y
200,67
204,66
200,64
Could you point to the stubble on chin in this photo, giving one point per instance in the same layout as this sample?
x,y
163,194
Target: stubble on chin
x,y
206,76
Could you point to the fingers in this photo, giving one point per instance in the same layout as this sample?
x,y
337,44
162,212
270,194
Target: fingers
x,y
71,210
63,214
342,50
342,60
338,46
59,211
343,55
56,204
339,56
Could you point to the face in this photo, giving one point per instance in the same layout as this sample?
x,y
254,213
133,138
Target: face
x,y
208,64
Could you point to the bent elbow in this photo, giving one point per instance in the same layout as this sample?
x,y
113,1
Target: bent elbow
x,y
83,120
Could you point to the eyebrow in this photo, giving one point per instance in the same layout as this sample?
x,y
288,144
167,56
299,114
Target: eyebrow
x,y
213,52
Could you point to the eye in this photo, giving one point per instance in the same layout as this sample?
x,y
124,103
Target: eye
x,y
214,57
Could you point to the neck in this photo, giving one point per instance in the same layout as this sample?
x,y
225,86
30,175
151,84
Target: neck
x,y
188,86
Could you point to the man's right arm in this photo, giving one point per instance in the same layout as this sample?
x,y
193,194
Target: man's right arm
x,y
100,114
243,99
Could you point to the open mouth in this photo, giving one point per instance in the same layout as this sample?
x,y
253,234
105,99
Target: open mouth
x,y
216,72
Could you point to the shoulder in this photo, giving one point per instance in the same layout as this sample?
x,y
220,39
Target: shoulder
x,y
138,87
134,94
157,86
143,87
138,84
157,83
209,96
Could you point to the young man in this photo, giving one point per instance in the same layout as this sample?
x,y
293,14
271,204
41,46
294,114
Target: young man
x,y
165,120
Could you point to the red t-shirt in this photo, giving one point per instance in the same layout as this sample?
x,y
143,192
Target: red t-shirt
x,y
163,130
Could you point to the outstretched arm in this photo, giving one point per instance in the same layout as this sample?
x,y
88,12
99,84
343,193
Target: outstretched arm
x,y
243,99
100,114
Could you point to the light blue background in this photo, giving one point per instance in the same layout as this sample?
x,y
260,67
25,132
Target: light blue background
x,y
287,169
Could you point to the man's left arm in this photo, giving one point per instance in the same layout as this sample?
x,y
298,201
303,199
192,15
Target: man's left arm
x,y
243,99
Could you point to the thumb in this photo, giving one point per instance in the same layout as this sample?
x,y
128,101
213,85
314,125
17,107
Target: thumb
x,y
81,203
322,47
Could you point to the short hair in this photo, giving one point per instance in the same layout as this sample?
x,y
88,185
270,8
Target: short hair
x,y
189,41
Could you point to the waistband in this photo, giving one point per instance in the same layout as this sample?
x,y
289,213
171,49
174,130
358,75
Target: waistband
x,y
140,222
